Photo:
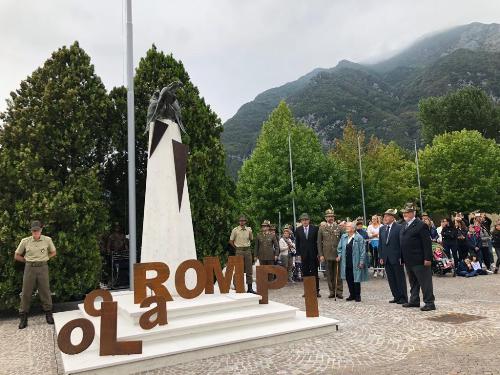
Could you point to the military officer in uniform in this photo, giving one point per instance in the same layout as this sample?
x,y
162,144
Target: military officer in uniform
x,y
276,245
240,239
328,240
35,251
266,246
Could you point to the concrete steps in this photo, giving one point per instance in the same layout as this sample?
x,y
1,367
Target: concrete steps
x,y
199,328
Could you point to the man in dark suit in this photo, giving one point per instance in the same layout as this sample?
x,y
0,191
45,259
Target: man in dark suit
x,y
416,249
306,238
390,257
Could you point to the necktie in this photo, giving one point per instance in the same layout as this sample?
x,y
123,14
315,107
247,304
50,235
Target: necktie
x,y
388,234
306,231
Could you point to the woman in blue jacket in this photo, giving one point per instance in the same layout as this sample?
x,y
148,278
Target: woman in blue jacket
x,y
353,261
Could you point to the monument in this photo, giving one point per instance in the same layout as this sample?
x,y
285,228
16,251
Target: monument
x,y
167,234
112,333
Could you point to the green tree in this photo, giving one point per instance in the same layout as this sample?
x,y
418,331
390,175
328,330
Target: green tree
x,y
115,174
264,187
53,142
389,177
461,172
468,108
212,204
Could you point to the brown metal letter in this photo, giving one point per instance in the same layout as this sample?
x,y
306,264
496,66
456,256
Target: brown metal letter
x,y
180,279
263,283
64,337
234,271
109,344
311,297
88,302
155,284
160,310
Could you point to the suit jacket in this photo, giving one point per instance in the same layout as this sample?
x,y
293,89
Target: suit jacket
x,y
390,251
416,244
307,248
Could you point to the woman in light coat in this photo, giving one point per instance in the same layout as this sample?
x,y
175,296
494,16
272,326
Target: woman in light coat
x,y
353,261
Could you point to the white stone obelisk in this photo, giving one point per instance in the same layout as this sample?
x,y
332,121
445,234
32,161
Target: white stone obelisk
x,y
167,234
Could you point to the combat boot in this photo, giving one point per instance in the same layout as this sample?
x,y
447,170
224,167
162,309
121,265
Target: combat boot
x,y
23,320
250,289
48,317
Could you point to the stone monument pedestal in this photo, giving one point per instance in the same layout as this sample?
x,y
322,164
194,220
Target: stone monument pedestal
x,y
209,325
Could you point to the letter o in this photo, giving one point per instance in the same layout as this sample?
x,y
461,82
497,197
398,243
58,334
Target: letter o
x,y
180,278
64,338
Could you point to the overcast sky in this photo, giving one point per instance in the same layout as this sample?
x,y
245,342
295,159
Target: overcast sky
x,y
232,49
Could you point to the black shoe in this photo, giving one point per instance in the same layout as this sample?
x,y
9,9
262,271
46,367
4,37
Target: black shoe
x,y
331,295
250,289
401,302
318,295
410,305
340,297
393,301
350,298
49,318
428,307
357,299
23,320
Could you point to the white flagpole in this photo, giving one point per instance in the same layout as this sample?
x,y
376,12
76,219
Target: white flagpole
x,y
362,184
131,148
291,180
418,179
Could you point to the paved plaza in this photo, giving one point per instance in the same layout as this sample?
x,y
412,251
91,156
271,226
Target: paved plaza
x,y
374,337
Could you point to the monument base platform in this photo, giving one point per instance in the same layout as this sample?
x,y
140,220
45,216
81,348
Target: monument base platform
x,y
199,328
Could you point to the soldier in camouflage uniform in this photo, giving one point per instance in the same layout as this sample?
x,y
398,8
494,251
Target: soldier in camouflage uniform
x,y
266,246
328,240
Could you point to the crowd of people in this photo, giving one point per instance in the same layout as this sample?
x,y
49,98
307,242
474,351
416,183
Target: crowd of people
x,y
396,245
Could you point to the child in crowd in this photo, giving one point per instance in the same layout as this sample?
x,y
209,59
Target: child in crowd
x,y
465,268
476,265
441,258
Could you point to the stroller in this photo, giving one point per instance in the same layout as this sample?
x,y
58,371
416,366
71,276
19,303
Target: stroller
x,y
441,264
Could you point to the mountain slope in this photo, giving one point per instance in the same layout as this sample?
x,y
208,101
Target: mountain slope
x,y
381,98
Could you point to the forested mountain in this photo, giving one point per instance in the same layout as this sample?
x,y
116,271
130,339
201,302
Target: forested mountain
x,y
381,98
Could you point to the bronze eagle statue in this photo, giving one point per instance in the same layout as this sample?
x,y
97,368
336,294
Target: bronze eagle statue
x,y
164,105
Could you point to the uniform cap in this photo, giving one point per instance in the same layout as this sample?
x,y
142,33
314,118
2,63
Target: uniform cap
x,y
409,207
329,212
36,225
391,211
304,216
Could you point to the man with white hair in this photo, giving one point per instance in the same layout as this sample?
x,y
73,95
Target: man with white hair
x,y
416,249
